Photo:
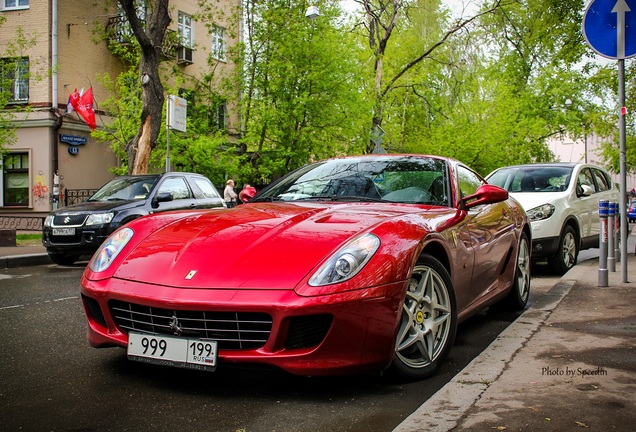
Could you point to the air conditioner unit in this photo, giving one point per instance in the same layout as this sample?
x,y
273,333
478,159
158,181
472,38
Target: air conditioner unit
x,y
184,55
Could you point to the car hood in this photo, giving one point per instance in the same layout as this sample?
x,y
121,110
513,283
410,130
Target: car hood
x,y
266,246
530,200
98,207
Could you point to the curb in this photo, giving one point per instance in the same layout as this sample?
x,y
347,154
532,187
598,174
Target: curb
x,y
446,408
24,260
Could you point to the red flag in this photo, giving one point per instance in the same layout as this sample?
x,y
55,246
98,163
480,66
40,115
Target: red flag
x,y
83,104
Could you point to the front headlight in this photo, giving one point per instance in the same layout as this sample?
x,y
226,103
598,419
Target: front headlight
x,y
347,261
539,213
109,250
99,218
48,222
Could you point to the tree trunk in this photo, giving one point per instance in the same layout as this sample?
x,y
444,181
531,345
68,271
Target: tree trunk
x,y
149,32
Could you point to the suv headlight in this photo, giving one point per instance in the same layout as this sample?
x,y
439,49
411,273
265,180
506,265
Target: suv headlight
x,y
99,218
347,261
539,213
48,222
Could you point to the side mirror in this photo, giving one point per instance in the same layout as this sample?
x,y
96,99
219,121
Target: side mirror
x,y
485,194
161,197
585,190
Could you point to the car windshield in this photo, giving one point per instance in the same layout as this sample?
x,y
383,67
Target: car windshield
x,y
125,189
532,178
407,179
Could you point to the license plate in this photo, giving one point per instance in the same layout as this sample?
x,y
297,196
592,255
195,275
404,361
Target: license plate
x,y
64,231
172,351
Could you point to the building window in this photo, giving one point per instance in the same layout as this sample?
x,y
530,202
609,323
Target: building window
x,y
14,78
15,4
15,179
218,43
219,115
185,27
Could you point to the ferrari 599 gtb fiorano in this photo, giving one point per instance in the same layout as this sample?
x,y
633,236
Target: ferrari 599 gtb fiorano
x,y
349,265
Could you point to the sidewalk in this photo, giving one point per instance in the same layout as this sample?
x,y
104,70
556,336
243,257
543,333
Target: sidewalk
x,y
568,363
18,256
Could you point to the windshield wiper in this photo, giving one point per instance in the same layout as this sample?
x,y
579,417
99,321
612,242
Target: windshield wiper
x,y
339,198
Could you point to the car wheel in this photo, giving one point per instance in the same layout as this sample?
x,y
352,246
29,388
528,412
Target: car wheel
x,y
428,323
567,252
62,259
518,297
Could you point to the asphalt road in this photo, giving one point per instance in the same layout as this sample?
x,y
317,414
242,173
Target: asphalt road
x,y
51,380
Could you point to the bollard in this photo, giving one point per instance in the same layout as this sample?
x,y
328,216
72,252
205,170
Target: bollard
x,y
611,213
603,210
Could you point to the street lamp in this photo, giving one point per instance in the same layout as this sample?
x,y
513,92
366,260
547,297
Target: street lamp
x,y
312,13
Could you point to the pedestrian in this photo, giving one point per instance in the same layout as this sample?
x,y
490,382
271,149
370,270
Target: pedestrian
x,y
247,193
229,195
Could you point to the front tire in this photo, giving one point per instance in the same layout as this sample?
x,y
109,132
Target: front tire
x,y
567,253
62,259
428,323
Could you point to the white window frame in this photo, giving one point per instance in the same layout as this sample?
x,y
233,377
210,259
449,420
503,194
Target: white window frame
x,y
218,43
8,5
18,67
185,39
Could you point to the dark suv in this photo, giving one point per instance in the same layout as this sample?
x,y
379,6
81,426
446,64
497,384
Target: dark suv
x,y
77,230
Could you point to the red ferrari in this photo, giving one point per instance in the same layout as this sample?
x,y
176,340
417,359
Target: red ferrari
x,y
348,265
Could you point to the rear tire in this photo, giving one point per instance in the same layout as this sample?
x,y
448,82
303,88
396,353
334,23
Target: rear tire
x,y
517,299
428,323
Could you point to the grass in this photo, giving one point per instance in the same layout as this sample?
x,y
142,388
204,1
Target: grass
x,y
28,239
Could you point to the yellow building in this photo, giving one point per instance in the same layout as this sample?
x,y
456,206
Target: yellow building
x,y
47,50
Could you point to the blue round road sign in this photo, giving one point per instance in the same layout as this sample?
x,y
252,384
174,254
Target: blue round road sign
x,y
609,27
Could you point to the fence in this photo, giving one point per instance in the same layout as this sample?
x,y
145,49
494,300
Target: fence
x,y
76,196
21,223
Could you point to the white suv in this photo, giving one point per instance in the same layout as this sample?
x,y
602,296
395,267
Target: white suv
x,y
561,200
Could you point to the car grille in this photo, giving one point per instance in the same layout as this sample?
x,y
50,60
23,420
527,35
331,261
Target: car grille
x,y
232,330
65,220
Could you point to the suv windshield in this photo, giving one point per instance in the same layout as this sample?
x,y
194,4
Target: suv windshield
x,y
414,180
126,188
532,178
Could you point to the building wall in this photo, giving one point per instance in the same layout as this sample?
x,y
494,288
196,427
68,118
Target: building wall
x,y
82,62
568,150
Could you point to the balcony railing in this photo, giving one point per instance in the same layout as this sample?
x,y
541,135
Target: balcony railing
x,y
119,32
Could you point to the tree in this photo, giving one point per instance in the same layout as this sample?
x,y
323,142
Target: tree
x,y
302,86
149,30
382,19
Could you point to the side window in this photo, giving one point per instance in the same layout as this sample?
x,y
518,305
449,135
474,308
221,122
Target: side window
x,y
469,181
602,182
586,178
206,187
177,187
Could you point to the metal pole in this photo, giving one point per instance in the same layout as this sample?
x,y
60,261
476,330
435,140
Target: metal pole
x,y
623,184
168,134
603,209
611,261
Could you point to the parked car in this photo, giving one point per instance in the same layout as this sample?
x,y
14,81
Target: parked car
x,y
347,265
78,230
561,200
631,212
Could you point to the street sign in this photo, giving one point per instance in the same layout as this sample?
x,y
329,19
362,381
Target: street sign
x,y
609,27
177,113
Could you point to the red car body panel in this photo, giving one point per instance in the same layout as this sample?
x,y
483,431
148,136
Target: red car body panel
x,y
259,257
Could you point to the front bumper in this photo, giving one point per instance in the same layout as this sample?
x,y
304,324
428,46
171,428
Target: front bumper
x,y
360,336
83,242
